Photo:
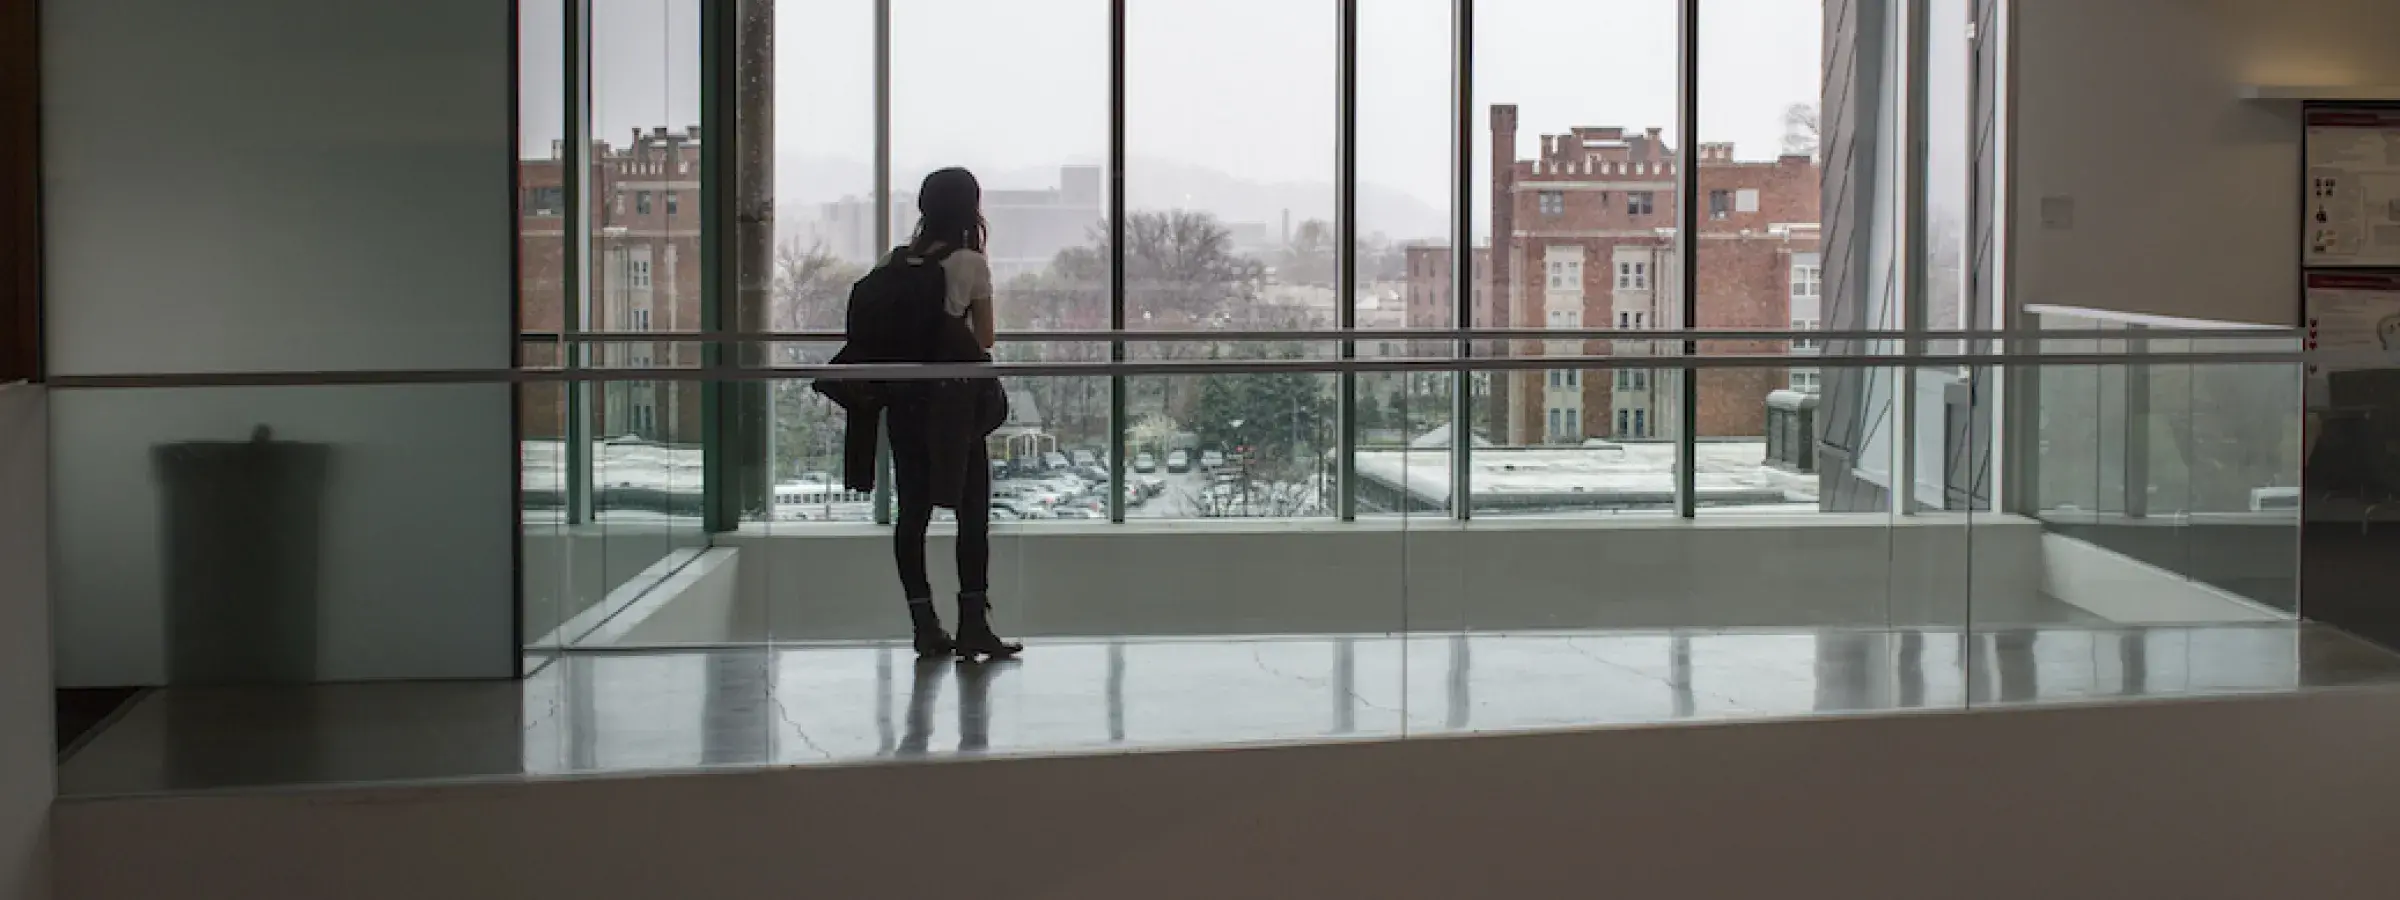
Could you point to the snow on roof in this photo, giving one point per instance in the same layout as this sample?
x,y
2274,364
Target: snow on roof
x,y
1439,439
1596,475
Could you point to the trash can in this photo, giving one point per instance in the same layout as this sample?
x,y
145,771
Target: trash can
x,y
241,522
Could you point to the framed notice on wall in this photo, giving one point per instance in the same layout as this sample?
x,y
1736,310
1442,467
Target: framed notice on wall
x,y
2349,311
2353,188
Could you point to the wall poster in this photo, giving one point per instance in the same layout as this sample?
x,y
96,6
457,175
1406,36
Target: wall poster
x,y
2353,188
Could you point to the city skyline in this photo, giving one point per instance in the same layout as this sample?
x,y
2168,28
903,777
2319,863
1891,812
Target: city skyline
x,y
1759,58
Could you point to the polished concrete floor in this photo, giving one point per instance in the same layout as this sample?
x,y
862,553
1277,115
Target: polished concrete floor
x,y
630,712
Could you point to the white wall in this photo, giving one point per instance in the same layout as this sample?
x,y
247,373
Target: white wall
x,y
276,185
2186,199
28,776
2281,796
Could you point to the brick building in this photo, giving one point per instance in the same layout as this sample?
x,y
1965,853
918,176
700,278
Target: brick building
x,y
1590,242
645,276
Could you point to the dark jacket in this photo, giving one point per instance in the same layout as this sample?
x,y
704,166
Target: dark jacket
x,y
958,413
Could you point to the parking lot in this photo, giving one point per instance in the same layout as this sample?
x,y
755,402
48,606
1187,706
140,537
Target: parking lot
x,y
1080,492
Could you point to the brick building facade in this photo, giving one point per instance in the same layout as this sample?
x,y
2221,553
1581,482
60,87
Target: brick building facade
x,y
644,262
1590,243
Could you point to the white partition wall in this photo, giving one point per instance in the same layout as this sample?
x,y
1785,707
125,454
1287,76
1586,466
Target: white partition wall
x,y
265,186
2145,182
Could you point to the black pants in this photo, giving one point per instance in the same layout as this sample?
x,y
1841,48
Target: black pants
x,y
912,480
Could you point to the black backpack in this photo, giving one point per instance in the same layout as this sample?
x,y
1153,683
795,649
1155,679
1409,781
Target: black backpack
x,y
898,314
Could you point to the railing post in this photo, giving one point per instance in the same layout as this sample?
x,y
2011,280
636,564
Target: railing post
x,y
1687,234
882,500
1346,259
1116,258
575,269
1462,254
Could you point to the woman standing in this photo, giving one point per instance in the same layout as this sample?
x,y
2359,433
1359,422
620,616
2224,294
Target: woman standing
x,y
950,229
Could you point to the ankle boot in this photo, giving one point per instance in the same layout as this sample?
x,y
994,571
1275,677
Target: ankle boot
x,y
931,640
975,637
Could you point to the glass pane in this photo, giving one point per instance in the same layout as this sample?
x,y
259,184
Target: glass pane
x,y
1257,445
281,535
1035,134
1404,271
1225,229
541,239
1575,192
645,278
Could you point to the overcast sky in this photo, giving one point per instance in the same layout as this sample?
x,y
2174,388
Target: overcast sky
x,y
1245,87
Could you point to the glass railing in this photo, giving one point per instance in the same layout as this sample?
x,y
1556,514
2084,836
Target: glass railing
x,y
1217,538
2190,468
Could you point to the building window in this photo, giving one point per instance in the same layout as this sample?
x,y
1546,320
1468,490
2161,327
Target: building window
x,y
1641,381
1807,281
1555,419
1574,379
1640,427
1553,377
1638,324
1623,428
672,206
1805,380
1554,203
1806,325
1624,321
546,201
641,320
1720,204
641,203
638,273
1640,203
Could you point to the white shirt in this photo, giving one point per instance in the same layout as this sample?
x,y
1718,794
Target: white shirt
x,y
967,276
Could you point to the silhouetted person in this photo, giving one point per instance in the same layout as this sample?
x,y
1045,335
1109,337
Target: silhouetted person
x,y
930,301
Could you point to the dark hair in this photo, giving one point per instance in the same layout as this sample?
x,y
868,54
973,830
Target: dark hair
x,y
950,211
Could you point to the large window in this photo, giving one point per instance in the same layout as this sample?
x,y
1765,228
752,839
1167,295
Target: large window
x,y
1758,165
1576,192
1225,230
1034,130
825,234
1605,142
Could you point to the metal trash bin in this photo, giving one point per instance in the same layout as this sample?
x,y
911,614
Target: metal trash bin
x,y
241,522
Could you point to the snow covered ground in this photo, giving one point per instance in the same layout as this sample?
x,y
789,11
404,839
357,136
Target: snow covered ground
x,y
1596,477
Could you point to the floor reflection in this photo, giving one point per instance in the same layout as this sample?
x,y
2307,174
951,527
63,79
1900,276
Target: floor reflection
x,y
618,712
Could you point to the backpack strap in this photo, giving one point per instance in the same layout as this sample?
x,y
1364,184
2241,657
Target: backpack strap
x,y
905,252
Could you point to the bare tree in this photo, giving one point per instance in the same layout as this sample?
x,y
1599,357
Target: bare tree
x,y
811,287
810,292
1800,135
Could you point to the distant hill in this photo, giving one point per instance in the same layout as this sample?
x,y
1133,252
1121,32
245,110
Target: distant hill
x,y
803,181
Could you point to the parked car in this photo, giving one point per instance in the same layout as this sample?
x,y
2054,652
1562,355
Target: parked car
x,y
1179,461
1054,460
1086,458
1212,460
1143,462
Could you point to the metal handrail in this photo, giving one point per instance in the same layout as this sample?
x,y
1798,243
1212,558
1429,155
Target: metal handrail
x,y
1433,334
936,371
